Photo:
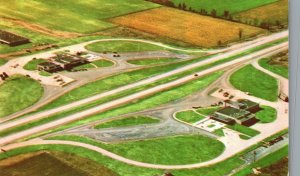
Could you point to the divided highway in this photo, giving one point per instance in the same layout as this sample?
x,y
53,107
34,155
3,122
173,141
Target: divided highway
x,y
47,113
118,102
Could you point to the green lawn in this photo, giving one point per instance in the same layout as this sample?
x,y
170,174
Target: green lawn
x,y
267,114
257,83
244,130
103,63
151,61
122,47
187,149
44,73
189,116
65,15
233,6
17,93
219,132
2,61
278,69
32,65
208,110
128,121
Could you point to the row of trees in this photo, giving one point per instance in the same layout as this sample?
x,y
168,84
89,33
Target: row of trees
x,y
269,25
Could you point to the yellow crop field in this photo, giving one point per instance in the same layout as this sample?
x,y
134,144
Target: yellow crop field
x,y
191,28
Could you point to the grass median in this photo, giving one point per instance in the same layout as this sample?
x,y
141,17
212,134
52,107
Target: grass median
x,y
128,121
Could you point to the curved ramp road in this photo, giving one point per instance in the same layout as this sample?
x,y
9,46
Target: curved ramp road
x,y
141,94
143,82
284,83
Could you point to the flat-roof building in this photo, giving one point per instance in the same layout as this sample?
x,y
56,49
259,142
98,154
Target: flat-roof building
x,y
12,39
244,104
49,67
240,116
67,61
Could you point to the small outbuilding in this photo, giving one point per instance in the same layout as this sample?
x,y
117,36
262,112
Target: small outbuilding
x,y
12,39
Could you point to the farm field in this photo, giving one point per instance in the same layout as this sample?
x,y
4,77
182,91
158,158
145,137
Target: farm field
x,y
151,61
90,13
193,149
199,30
273,13
189,116
233,6
257,83
54,164
128,121
17,93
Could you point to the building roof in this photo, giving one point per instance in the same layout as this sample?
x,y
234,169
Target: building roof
x,y
233,112
8,37
247,103
47,64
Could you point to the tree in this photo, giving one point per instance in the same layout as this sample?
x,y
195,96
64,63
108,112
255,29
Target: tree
x,y
240,33
226,14
179,6
213,13
183,6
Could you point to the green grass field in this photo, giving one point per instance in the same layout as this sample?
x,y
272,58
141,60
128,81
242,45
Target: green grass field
x,y
2,61
103,63
151,61
278,69
122,47
128,121
18,92
208,110
189,116
233,6
67,15
244,130
267,114
187,149
32,65
257,83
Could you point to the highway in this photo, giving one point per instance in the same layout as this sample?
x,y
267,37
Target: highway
x,y
47,113
144,93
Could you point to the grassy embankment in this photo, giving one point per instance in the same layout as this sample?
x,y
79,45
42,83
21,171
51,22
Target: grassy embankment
x,y
18,92
257,83
161,150
278,69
